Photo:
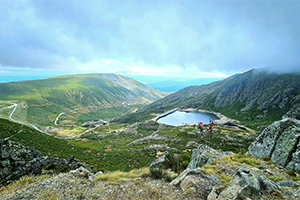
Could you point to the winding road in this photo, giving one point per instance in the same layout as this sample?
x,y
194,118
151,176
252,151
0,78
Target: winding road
x,y
36,128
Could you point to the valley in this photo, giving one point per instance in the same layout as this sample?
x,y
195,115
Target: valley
x,y
73,100
115,129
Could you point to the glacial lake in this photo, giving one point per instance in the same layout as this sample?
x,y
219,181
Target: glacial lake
x,y
180,117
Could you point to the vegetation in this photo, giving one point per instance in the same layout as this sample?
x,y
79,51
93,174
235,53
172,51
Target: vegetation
x,y
22,182
41,101
108,149
118,176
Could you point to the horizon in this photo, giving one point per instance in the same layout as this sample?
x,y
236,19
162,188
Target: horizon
x,y
194,39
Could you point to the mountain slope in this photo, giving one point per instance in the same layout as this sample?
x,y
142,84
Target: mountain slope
x,y
255,97
48,97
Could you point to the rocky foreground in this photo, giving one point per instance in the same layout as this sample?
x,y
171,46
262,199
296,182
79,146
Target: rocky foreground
x,y
210,174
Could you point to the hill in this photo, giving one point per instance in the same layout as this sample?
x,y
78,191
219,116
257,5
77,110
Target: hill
x,y
172,84
81,97
255,98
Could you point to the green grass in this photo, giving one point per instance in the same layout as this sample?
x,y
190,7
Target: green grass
x,y
48,97
47,145
89,114
106,147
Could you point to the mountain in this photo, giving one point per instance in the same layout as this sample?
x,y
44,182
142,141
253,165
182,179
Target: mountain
x,y
172,84
255,97
42,100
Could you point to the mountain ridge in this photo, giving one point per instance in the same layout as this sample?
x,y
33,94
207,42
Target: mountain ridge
x,y
256,97
50,96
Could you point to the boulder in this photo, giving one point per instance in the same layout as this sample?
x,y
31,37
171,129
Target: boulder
x,y
81,172
245,184
202,155
280,143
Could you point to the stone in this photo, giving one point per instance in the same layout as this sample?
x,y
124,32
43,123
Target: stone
x,y
294,163
160,147
188,181
246,184
81,172
182,176
192,144
210,177
287,193
202,155
5,163
159,160
5,149
279,142
288,183
32,163
70,159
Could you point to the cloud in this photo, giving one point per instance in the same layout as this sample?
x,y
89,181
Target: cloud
x,y
221,37
5,72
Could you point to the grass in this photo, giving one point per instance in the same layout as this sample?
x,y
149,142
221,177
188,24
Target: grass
x,y
22,182
47,145
48,97
118,176
89,114
106,147
66,131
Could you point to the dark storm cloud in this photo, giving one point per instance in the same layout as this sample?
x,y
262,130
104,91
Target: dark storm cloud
x,y
227,36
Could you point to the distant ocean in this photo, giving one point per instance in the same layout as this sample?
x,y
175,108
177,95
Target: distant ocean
x,y
6,78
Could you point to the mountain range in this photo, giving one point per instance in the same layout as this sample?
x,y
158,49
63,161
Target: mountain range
x,y
42,100
256,97
198,165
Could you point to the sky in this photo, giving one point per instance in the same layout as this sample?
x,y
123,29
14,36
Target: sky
x,y
186,38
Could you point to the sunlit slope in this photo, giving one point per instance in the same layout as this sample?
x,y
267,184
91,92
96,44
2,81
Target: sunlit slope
x,y
48,97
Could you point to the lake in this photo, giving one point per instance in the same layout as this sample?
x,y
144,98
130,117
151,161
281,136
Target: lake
x,y
179,117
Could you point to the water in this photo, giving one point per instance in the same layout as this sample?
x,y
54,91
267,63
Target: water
x,y
179,117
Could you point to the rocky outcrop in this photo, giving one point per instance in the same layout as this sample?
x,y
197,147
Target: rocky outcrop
x,y
245,184
13,165
202,155
17,161
280,143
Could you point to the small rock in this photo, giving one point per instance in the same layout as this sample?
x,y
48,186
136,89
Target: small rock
x,y
287,193
81,172
288,183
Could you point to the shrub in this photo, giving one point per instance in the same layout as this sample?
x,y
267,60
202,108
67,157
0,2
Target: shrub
x,y
177,162
156,173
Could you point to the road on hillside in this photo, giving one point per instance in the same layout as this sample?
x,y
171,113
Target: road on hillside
x,y
36,128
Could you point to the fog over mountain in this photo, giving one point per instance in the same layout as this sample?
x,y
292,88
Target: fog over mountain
x,y
160,38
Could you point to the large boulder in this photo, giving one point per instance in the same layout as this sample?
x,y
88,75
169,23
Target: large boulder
x,y
202,155
280,143
245,184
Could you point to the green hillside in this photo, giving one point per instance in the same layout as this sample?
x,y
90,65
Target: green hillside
x,y
255,98
41,101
